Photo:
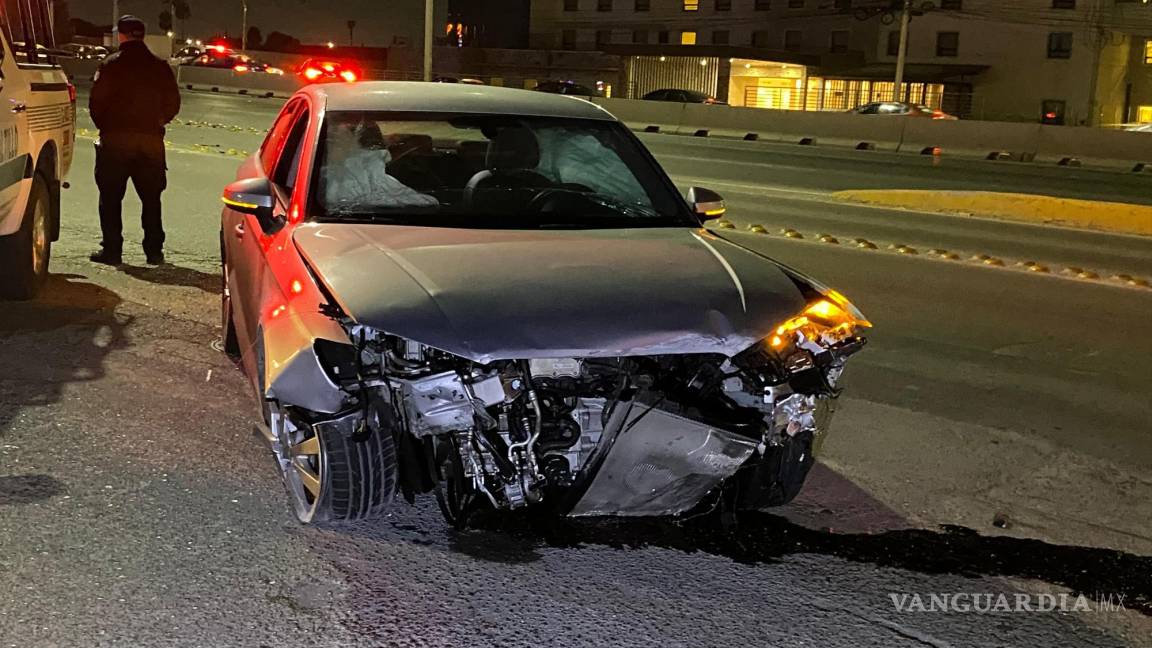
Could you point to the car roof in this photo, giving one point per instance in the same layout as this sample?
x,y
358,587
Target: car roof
x,y
410,96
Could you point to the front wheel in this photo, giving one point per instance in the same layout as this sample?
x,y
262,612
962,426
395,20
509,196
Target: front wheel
x,y
24,256
335,470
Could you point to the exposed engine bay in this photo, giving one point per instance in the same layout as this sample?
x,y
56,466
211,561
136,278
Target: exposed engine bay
x,y
627,436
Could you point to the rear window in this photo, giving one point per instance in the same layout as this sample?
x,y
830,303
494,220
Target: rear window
x,y
27,26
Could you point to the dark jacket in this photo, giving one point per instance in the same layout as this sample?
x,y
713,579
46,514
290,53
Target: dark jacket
x,y
134,93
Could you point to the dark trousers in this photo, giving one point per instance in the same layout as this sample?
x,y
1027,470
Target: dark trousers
x,y
139,158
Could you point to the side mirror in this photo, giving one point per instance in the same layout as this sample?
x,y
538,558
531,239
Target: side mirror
x,y
707,204
254,196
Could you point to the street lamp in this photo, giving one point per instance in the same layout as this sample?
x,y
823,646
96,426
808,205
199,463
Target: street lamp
x,y
902,55
244,26
429,14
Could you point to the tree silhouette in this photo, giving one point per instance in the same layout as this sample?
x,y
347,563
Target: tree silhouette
x,y
63,29
255,37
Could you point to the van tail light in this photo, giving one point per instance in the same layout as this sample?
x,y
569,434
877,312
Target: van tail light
x,y
71,92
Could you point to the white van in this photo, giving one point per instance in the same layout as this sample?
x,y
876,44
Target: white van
x,y
37,139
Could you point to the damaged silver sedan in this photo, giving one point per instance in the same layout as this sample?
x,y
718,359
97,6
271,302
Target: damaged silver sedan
x,y
499,297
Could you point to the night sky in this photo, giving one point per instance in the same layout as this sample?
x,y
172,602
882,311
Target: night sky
x,y
312,21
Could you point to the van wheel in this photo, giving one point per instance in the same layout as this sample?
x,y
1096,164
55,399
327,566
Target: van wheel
x,y
24,256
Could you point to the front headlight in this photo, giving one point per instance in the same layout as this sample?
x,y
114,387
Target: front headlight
x,y
826,322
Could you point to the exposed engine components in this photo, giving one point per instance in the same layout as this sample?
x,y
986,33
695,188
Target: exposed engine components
x,y
613,436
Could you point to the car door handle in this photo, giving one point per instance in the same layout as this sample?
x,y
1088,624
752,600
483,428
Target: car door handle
x,y
18,107
239,231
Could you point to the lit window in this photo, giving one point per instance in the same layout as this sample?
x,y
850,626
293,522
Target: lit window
x,y
1148,52
1144,114
688,38
691,5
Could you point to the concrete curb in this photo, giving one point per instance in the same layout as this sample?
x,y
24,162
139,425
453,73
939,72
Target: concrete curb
x,y
1029,208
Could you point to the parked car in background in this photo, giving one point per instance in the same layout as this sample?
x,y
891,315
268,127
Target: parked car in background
x,y
186,55
567,88
465,81
230,60
329,71
682,96
901,109
83,52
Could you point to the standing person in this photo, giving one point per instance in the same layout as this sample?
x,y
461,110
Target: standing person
x,y
135,96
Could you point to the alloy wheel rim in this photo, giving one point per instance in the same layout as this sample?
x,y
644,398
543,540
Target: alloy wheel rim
x,y
303,465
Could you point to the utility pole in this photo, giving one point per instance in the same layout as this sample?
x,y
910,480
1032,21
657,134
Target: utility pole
x,y
115,19
244,27
902,57
429,15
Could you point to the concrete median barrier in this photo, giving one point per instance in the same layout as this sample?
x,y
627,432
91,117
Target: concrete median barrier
x,y
640,115
1029,208
1093,146
969,138
1018,142
231,81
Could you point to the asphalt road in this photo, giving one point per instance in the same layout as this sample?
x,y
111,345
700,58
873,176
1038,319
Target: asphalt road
x,y
138,509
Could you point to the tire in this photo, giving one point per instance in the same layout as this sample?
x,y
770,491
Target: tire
x,y
25,255
362,477
455,494
231,341
332,472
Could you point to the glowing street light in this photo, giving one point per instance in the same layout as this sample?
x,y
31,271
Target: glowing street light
x,y
331,45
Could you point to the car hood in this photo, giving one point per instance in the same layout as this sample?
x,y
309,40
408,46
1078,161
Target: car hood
x,y
519,294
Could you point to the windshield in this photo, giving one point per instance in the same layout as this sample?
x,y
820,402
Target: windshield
x,y
486,171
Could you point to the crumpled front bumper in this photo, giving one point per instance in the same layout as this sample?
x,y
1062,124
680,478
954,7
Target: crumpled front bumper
x,y
654,463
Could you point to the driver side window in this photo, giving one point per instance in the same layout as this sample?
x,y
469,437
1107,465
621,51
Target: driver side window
x,y
274,143
287,167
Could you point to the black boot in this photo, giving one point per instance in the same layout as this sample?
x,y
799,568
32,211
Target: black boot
x,y
155,258
106,258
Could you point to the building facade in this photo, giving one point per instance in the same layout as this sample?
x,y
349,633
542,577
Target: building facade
x,y
1060,61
